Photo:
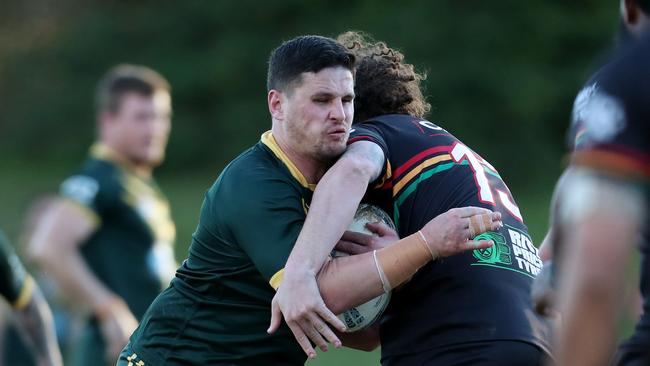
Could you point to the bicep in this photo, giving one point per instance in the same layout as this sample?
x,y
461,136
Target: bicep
x,y
267,230
66,224
585,193
599,218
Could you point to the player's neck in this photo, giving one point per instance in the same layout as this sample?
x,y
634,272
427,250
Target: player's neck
x,y
312,169
107,151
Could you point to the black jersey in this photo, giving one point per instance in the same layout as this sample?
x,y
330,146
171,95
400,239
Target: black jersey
x,y
610,133
483,295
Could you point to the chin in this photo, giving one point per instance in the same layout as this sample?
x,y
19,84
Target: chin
x,y
155,161
334,152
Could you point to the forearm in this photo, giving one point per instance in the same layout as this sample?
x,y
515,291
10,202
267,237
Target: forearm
x,y
36,323
364,340
590,291
335,201
77,281
588,338
589,314
56,246
345,282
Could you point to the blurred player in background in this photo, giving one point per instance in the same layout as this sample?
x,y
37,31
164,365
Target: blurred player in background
x,y
474,308
107,241
31,313
216,310
601,203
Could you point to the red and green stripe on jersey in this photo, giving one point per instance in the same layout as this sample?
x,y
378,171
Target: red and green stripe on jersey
x,y
614,160
405,179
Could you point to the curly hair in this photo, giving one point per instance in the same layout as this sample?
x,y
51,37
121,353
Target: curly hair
x,y
384,83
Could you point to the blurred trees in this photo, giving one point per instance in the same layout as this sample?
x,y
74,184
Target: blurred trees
x,y
502,74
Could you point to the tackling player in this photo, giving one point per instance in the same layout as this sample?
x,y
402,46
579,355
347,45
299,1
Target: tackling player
x,y
473,308
108,241
216,310
32,313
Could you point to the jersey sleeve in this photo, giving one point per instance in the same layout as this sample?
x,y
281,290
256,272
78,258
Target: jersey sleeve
x,y
610,130
15,284
265,217
368,132
86,193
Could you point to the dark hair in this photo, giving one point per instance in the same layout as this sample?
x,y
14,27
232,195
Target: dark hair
x,y
644,5
384,83
123,79
304,54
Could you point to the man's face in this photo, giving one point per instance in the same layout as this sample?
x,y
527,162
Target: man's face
x,y
139,129
318,113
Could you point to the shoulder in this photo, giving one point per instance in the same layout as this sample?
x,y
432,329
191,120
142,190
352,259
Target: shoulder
x,y
254,175
254,166
95,179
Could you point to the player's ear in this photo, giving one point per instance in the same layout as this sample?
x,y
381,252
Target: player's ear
x,y
276,105
104,119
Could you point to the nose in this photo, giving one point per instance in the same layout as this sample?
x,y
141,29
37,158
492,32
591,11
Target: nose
x,y
337,112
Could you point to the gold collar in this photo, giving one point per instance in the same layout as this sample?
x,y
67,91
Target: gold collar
x,y
269,141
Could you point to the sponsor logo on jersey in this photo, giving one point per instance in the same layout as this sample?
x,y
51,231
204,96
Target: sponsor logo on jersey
x,y
80,188
512,250
600,115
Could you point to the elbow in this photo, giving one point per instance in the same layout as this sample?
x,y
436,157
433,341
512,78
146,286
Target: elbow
x,y
37,255
359,169
43,254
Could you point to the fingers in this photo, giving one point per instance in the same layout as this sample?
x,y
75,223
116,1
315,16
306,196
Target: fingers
x,y
479,224
476,244
276,317
358,238
329,317
302,339
308,326
380,229
350,247
325,330
470,211
496,220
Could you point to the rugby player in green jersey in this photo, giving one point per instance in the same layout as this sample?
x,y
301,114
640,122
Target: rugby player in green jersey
x,y
32,314
215,311
107,241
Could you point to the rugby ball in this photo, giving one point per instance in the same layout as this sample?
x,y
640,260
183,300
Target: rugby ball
x,y
361,316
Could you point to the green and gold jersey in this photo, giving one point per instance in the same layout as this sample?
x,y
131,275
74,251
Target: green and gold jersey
x,y
218,307
16,286
131,249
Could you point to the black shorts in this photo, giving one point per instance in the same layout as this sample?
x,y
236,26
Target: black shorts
x,y
488,353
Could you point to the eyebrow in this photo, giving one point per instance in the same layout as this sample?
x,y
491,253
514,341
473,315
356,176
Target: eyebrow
x,y
331,95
